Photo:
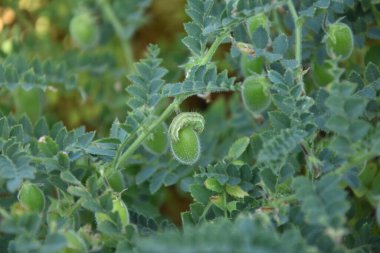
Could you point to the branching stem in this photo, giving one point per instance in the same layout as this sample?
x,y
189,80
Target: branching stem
x,y
225,204
298,38
211,51
125,42
206,58
298,32
132,148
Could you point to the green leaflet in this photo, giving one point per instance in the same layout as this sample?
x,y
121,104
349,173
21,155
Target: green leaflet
x,y
324,202
147,83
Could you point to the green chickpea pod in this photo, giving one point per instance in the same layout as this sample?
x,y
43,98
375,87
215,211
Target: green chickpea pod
x,y
84,30
121,209
339,41
255,94
250,65
184,140
116,181
321,74
31,196
157,141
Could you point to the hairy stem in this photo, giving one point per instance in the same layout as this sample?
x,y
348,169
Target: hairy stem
x,y
132,148
125,43
206,58
298,37
211,51
205,211
122,147
225,204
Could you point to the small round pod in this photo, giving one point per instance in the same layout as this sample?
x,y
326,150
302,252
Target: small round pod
x,y
339,41
184,140
32,197
116,181
121,209
251,64
321,74
255,94
84,30
157,142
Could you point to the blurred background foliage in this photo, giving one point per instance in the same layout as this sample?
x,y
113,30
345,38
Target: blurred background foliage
x,y
40,29
48,73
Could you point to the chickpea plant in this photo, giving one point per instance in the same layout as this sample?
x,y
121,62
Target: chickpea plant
x,y
285,158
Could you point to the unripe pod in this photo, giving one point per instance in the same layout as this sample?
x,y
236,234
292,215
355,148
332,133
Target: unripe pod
x,y
321,74
121,209
118,207
255,94
31,196
116,181
157,142
250,65
187,149
84,30
339,41
184,140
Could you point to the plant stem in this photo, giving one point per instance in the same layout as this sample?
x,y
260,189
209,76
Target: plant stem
x,y
225,204
125,43
298,36
204,59
211,51
205,211
122,147
277,21
132,148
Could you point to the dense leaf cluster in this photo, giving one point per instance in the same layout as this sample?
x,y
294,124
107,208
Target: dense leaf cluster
x,y
302,176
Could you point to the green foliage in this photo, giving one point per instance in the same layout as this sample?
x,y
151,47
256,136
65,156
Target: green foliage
x,y
323,204
206,18
147,82
296,172
246,234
